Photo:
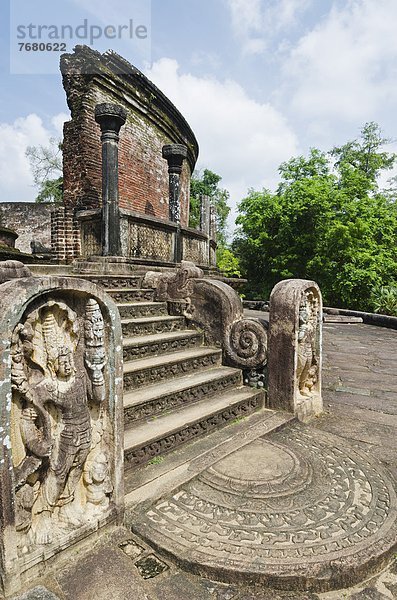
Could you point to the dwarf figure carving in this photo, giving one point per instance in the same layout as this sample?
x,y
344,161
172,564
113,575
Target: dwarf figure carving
x,y
307,359
98,484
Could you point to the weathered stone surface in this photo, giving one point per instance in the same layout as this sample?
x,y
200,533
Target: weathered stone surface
x,y
296,509
31,221
295,347
13,269
106,574
341,319
61,416
7,237
369,594
243,341
37,593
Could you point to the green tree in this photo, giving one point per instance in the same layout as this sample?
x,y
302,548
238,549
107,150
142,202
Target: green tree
x,y
327,221
46,165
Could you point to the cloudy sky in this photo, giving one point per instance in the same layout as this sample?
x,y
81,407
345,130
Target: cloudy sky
x,y
258,80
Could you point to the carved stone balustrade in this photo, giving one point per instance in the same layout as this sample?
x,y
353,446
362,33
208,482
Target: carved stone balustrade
x,y
214,307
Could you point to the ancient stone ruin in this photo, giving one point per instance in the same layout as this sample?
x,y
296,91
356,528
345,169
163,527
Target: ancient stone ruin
x,y
137,394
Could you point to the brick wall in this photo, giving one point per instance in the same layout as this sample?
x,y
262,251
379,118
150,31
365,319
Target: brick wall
x,y
152,122
65,234
31,221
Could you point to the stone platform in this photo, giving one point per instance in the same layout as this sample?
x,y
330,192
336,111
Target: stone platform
x,y
296,509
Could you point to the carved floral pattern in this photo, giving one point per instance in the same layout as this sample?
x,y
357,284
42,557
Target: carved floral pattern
x,y
156,374
143,454
178,399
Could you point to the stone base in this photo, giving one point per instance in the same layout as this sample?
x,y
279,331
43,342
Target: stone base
x,y
308,408
104,265
295,509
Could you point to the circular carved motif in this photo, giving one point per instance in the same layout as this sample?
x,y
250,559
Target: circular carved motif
x,y
297,503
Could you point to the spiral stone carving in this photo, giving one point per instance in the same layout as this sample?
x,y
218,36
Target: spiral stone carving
x,y
215,308
246,343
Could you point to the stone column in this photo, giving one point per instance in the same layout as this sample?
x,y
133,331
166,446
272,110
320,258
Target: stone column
x,y
110,117
175,154
205,215
213,231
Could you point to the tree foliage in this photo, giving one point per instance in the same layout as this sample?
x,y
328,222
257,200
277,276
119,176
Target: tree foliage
x,y
327,221
46,165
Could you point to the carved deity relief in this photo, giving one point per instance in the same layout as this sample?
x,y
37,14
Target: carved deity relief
x,y
307,363
60,432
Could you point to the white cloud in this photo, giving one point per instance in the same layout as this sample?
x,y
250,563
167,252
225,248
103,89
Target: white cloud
x,y
345,67
58,121
16,180
242,140
256,22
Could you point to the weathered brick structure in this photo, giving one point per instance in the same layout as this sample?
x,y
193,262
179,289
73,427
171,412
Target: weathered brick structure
x,y
148,232
90,78
31,221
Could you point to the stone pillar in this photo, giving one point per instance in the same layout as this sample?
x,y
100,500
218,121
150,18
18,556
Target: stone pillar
x,y
295,348
213,233
110,118
205,215
175,154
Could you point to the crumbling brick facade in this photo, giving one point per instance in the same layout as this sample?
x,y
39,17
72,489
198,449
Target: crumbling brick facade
x,y
65,234
90,78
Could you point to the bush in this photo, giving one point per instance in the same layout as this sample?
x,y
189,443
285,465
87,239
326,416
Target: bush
x,y
385,300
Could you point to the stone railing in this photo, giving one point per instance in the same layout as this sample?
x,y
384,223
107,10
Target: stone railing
x,y
147,240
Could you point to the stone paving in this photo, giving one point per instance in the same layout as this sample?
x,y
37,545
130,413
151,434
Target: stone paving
x,y
360,388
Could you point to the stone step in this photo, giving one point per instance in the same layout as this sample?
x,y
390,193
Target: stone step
x,y
148,371
126,295
169,395
158,436
149,325
132,310
113,281
143,486
153,345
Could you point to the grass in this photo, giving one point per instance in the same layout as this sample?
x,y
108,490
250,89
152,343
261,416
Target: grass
x,y
238,420
157,460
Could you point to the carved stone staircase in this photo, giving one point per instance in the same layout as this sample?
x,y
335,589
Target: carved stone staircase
x,y
175,388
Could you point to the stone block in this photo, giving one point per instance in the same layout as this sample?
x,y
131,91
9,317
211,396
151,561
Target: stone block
x,y
295,348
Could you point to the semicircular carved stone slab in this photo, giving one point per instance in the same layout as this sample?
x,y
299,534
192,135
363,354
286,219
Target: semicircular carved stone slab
x,y
295,348
61,399
295,509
